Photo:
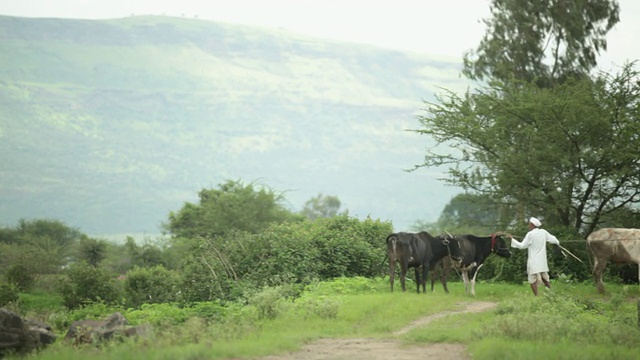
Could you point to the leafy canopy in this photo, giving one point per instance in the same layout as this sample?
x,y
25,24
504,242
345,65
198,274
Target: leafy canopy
x,y
234,206
321,206
568,151
541,40
545,136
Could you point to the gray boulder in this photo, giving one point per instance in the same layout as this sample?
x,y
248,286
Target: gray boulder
x,y
21,336
89,331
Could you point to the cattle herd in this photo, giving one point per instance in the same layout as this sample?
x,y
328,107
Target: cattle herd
x,y
467,253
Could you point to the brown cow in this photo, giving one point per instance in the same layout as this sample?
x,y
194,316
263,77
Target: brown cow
x,y
620,246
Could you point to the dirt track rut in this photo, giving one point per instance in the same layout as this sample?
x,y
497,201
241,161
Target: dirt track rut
x,y
385,349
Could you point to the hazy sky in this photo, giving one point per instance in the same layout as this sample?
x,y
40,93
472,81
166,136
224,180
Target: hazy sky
x,y
440,27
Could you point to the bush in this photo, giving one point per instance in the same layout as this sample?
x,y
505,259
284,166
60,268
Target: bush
x,y
62,320
308,251
322,306
8,294
561,317
197,283
287,253
20,276
150,286
84,284
269,302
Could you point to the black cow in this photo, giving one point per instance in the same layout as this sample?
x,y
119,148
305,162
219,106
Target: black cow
x,y
418,250
475,251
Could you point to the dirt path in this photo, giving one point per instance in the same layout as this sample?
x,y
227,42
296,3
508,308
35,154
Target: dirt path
x,y
384,349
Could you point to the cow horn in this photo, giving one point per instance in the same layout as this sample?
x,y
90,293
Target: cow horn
x,y
451,236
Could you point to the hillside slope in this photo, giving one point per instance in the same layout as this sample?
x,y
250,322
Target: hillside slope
x,y
110,124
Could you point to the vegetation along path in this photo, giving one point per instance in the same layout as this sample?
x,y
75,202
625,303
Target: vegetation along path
x,y
358,348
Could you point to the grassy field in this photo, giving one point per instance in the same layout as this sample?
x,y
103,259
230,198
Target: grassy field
x,y
570,322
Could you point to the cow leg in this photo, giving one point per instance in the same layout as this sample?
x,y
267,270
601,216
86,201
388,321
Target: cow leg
x,y
598,269
465,278
433,281
425,272
421,278
404,266
443,277
473,281
403,278
418,279
434,272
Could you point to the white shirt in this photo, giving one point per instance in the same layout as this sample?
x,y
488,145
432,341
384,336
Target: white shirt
x,y
535,241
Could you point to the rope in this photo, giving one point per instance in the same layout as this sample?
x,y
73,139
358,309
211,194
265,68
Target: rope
x,y
584,240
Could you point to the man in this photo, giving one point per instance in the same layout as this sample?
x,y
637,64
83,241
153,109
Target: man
x,y
535,241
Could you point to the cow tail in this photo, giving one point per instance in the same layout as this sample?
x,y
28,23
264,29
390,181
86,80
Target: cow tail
x,y
393,244
393,240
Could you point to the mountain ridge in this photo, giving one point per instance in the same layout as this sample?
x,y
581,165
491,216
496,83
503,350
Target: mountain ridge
x,y
110,124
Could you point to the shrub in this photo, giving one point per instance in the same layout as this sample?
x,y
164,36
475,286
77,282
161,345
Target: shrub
x,y
286,253
84,284
558,316
150,286
197,282
269,302
20,276
8,294
62,320
322,306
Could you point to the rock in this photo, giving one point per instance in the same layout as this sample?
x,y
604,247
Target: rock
x,y
43,330
88,331
21,336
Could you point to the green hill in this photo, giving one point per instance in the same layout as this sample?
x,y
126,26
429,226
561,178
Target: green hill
x,y
110,124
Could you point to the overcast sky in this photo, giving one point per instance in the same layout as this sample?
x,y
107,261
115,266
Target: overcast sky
x,y
433,27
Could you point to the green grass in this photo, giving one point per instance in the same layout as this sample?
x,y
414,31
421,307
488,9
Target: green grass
x,y
572,321
497,348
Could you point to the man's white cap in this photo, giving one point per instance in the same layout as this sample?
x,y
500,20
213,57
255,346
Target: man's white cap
x,y
535,222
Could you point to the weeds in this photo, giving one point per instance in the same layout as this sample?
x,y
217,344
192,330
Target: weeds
x,y
277,319
556,317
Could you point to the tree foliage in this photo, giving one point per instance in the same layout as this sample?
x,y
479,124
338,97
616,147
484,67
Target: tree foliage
x,y
470,213
151,285
234,206
51,236
545,136
569,151
321,206
147,255
84,284
93,251
290,252
541,40
41,245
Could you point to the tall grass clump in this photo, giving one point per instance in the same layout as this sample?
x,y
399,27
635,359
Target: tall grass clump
x,y
556,316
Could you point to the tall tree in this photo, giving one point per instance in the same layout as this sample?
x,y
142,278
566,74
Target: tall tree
x,y
52,236
541,40
234,206
471,213
93,251
569,152
321,206
545,136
